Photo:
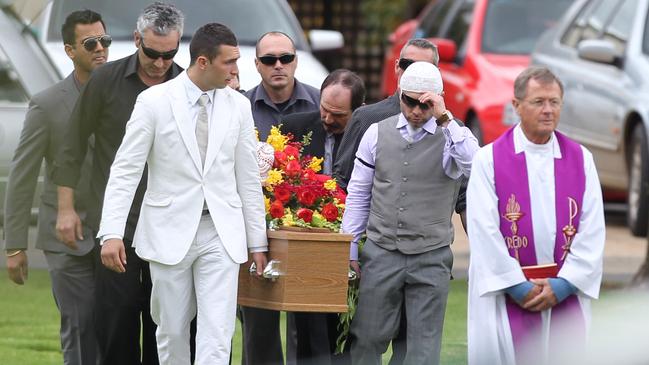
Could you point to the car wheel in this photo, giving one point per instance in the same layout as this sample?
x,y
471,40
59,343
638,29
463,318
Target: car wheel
x,y
637,218
474,126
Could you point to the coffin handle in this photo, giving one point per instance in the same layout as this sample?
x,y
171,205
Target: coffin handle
x,y
271,271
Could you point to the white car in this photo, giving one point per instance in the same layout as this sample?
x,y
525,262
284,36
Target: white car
x,y
248,19
25,70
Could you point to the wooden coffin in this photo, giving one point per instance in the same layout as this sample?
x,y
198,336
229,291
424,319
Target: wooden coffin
x,y
313,271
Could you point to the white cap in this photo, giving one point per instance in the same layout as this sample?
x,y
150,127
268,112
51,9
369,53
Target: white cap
x,y
421,77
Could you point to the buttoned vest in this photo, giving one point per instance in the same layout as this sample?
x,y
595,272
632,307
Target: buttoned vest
x,y
412,198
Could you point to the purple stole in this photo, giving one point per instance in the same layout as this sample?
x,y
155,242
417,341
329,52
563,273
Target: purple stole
x,y
512,189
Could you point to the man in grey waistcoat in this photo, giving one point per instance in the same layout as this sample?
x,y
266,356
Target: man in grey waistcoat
x,y
402,194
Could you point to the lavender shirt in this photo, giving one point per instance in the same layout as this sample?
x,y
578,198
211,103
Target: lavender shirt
x,y
459,149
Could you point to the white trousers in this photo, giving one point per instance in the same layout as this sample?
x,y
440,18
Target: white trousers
x,y
203,283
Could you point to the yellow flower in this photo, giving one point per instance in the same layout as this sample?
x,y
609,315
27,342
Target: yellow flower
x,y
316,164
257,134
274,178
277,139
287,219
267,203
330,184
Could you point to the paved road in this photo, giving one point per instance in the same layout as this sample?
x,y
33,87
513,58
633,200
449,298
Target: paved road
x,y
623,254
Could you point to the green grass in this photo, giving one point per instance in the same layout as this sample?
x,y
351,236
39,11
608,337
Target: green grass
x,y
29,324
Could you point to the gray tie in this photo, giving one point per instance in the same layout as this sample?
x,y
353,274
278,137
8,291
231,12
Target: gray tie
x,y
202,129
328,157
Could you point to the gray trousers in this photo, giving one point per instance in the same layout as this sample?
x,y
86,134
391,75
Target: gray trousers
x,y
390,280
73,286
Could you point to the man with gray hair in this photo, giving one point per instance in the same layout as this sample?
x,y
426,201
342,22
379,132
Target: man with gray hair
x,y
102,110
402,193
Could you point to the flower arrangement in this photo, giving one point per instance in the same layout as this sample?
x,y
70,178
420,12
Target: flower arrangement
x,y
295,194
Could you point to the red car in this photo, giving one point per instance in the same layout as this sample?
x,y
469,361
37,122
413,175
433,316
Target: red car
x,y
483,45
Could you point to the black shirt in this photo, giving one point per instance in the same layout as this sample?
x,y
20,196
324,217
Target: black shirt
x,y
102,110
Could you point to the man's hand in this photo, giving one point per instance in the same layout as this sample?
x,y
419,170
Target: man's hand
x,y
113,255
356,267
260,260
68,227
543,300
17,268
437,102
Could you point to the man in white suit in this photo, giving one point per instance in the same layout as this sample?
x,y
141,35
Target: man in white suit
x,y
203,207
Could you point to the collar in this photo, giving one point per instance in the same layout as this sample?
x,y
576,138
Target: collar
x,y
430,126
521,143
299,93
194,92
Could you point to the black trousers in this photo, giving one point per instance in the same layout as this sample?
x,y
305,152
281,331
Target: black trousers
x,y
122,303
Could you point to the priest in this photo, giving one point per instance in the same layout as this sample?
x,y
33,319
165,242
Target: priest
x,y
537,232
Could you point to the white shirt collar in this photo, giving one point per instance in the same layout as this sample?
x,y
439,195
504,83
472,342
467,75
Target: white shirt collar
x,y
430,126
521,143
194,92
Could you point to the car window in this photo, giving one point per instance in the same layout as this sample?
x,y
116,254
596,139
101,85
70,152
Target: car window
x,y
513,26
619,28
11,90
432,21
248,19
459,26
589,24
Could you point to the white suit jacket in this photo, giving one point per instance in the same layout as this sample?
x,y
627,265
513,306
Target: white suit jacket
x,y
161,134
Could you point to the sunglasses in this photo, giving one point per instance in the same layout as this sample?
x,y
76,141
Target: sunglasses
x,y
154,55
404,63
412,102
272,60
90,44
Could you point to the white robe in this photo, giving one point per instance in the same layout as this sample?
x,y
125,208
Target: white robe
x,y
491,269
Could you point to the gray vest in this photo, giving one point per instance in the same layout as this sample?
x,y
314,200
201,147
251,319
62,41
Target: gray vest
x,y
412,198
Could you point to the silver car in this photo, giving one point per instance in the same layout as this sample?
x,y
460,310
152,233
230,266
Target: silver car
x,y
600,50
24,71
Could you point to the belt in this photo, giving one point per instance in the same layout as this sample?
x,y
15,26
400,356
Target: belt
x,y
205,212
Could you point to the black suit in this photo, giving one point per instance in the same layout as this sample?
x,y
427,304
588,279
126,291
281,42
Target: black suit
x,y
316,332
300,124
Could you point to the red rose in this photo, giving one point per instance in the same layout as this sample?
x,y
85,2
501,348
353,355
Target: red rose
x,y
305,214
322,178
340,195
306,196
277,209
329,211
280,159
293,168
282,193
292,151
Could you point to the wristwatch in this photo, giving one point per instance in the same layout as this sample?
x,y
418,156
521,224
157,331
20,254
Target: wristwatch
x,y
445,117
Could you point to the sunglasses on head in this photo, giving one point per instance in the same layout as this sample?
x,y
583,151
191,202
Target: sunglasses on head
x,y
404,63
154,55
412,102
90,43
272,60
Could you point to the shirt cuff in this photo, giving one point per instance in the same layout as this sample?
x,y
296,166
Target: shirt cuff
x,y
454,132
519,291
562,288
258,249
353,251
109,236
